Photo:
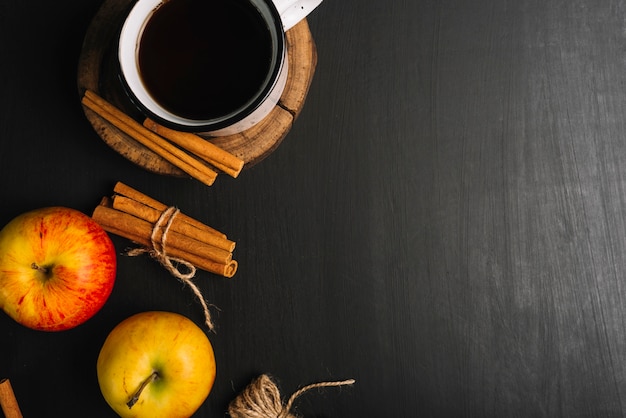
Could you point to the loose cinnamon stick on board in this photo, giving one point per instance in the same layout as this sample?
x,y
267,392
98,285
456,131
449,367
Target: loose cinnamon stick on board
x,y
141,211
8,402
190,165
125,190
214,155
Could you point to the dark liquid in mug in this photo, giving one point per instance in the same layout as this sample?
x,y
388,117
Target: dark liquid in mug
x,y
202,59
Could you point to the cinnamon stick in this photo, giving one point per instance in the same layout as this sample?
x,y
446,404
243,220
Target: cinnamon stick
x,y
125,190
178,245
149,139
8,402
211,153
141,211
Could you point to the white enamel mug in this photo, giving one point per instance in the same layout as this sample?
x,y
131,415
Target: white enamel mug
x,y
278,15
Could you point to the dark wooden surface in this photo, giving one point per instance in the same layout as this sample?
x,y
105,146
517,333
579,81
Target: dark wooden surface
x,y
445,222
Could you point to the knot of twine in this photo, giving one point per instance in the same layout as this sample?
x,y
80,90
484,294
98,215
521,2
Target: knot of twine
x,y
261,399
159,253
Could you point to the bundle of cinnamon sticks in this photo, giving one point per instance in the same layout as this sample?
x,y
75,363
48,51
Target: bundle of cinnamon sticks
x,y
135,216
192,154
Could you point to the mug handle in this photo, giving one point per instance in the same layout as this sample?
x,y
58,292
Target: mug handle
x,y
293,11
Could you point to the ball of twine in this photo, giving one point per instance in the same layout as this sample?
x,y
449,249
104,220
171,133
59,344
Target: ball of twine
x,y
159,253
262,399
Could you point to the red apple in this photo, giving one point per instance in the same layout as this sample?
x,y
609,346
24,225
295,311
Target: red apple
x,y
57,268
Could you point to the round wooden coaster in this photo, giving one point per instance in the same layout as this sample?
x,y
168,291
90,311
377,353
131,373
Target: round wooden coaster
x,y
97,71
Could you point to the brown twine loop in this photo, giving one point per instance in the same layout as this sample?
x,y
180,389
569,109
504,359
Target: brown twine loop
x,y
159,253
261,399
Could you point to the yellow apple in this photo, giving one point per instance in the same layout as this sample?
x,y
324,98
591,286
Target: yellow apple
x,y
156,364
57,268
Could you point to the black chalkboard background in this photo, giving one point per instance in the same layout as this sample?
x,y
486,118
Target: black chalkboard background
x,y
445,222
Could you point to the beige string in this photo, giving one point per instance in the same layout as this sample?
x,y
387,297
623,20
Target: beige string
x,y
159,253
261,399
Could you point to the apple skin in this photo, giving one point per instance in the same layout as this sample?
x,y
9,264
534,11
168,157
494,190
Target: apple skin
x,y
167,343
80,266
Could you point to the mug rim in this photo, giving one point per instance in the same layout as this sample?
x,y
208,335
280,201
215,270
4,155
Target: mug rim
x,y
131,70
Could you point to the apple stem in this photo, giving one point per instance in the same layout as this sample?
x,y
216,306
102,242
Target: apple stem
x,y
36,266
145,383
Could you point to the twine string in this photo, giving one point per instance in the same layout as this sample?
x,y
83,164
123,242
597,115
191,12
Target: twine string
x,y
159,253
262,399
313,386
